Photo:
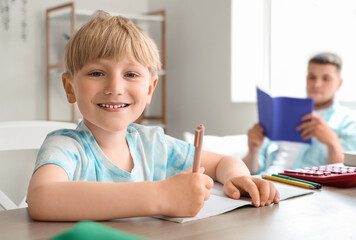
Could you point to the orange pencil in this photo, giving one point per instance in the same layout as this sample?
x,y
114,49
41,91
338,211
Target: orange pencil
x,y
198,144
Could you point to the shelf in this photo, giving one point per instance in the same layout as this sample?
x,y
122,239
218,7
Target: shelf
x,y
84,15
55,66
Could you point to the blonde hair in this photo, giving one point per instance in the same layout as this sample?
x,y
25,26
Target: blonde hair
x,y
110,37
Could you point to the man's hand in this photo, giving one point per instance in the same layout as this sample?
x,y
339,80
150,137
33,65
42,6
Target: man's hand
x,y
255,138
315,126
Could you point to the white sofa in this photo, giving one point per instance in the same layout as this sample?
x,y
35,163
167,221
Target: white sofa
x,y
232,145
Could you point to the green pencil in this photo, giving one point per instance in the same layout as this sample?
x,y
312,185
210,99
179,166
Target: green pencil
x,y
316,185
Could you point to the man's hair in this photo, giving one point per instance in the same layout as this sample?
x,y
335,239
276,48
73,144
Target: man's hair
x,y
110,37
327,58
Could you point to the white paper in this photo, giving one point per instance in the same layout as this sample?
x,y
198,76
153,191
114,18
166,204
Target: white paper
x,y
219,203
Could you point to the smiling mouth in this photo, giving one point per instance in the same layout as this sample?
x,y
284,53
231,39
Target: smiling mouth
x,y
113,106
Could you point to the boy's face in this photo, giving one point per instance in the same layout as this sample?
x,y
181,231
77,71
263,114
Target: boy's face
x,y
323,81
110,94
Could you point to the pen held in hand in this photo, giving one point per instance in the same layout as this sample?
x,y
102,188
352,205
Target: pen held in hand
x,y
198,144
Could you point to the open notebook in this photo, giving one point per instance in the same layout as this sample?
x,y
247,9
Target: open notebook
x,y
219,203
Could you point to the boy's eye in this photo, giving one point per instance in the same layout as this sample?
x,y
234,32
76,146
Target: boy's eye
x,y
96,74
131,75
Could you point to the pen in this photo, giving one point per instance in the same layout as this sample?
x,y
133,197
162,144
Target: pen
x,y
283,180
198,144
316,185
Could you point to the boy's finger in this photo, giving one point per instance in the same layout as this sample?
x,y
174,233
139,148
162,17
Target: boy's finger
x,y
272,193
264,191
201,170
209,183
253,192
206,195
251,188
189,170
276,197
231,191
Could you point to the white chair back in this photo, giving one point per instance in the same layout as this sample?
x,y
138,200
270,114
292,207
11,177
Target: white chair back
x,y
19,145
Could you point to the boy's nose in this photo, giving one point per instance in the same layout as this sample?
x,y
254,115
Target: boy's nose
x,y
115,86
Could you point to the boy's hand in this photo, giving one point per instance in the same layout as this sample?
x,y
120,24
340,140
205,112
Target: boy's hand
x,y
262,192
255,138
185,193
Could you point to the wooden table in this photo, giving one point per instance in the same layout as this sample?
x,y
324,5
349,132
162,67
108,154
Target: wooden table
x,y
326,214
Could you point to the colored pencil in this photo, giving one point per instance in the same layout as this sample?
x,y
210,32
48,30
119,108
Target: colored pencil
x,y
287,181
316,185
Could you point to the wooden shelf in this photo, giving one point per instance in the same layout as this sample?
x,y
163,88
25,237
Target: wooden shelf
x,y
84,15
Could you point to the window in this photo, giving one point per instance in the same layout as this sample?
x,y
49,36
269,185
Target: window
x,y
272,40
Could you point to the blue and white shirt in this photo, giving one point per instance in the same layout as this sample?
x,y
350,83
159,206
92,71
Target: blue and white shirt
x,y
156,156
339,118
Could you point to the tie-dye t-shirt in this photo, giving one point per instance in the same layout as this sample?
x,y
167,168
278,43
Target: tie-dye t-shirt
x,y
156,156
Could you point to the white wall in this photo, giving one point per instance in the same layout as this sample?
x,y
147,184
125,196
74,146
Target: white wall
x,y
198,63
198,68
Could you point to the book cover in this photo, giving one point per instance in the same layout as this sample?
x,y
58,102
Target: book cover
x,y
280,116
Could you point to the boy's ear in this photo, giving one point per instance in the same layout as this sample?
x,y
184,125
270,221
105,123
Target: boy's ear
x,y
151,88
67,84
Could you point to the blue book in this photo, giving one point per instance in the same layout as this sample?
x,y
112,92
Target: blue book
x,y
280,116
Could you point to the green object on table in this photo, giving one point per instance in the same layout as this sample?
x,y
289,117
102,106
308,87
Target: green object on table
x,y
316,185
88,230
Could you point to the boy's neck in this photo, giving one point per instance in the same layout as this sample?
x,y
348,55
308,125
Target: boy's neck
x,y
114,146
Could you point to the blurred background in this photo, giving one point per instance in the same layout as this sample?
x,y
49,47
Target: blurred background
x,y
217,51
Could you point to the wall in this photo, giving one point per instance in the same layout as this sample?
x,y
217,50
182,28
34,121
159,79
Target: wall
x,y
198,68
198,63
22,63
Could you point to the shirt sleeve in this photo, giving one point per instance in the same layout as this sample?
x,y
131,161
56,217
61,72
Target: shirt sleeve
x,y
263,155
347,133
61,151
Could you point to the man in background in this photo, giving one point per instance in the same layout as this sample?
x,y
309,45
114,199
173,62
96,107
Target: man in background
x,y
331,126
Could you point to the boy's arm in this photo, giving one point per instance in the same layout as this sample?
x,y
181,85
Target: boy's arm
x,y
235,176
51,197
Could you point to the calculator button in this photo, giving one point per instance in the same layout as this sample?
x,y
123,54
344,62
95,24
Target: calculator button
x,y
309,172
326,173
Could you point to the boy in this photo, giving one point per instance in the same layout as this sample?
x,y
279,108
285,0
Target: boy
x,y
110,167
332,127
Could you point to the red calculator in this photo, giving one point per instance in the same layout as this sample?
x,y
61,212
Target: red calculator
x,y
330,175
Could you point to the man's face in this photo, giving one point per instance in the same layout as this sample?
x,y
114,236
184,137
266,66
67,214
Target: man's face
x,y
323,80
